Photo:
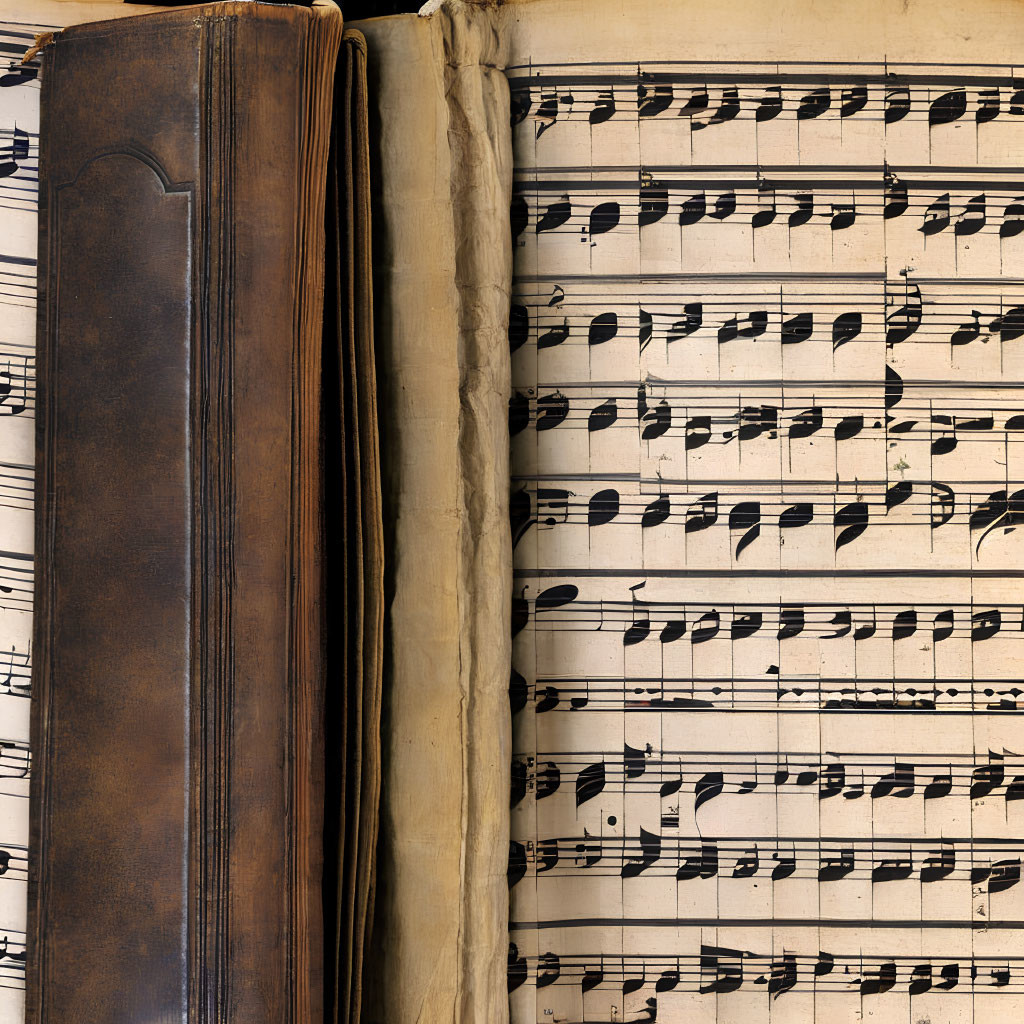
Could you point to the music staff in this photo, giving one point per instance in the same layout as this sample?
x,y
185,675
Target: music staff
x,y
720,970
640,620
994,865
595,206
19,185
17,387
16,44
707,775
702,98
13,864
16,671
17,484
15,759
772,691
15,581
839,310
846,508
723,414
17,280
16,149
12,958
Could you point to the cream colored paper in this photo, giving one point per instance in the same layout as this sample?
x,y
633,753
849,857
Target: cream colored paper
x,y
768,552
442,267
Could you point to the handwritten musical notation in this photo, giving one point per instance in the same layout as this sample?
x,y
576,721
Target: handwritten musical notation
x,y
707,98
716,969
767,336
993,864
19,186
828,311
762,197
723,109
561,609
759,514
664,414
708,774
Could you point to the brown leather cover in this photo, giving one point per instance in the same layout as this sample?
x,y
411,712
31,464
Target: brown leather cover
x,y
178,776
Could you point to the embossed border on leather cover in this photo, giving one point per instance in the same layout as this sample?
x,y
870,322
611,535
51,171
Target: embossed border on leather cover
x,y
177,783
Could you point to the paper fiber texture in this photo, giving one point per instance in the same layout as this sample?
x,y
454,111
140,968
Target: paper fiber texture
x,y
442,258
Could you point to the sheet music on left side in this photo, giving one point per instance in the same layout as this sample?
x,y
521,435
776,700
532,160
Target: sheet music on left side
x,y
19,184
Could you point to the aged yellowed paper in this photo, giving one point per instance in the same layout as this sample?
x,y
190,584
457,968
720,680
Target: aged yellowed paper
x,y
767,319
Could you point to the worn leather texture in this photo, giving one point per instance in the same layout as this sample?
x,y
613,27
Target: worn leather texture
x,y
177,792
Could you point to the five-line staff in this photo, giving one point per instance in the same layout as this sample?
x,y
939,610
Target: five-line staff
x,y
705,97
555,203
723,414
845,509
708,775
994,864
560,609
837,309
771,691
719,970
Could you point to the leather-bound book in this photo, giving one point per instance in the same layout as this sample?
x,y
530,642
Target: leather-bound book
x,y
201,379
178,782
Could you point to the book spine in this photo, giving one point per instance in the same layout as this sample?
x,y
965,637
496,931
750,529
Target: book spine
x,y
175,816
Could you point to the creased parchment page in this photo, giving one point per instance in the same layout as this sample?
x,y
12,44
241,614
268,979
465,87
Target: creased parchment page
x,y
767,330
441,157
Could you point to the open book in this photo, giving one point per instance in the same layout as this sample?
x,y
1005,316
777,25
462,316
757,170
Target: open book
x,y
698,339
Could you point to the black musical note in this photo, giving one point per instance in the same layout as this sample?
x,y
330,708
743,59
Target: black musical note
x,y
764,216
725,206
745,518
696,104
897,104
844,215
602,328
728,110
896,201
653,205
936,217
693,209
650,853
947,108
988,106
603,218
814,104
604,109
1013,219
694,319
770,106
721,969
854,100
652,102
904,322
603,416
804,209
555,215
547,113
603,507
972,220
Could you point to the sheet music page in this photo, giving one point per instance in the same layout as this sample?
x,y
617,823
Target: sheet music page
x,y
19,180
768,496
